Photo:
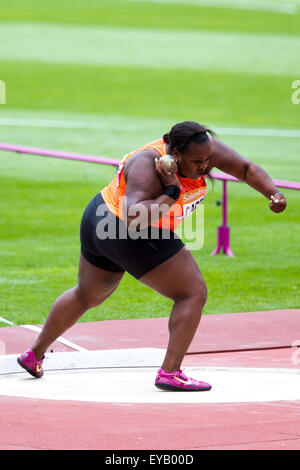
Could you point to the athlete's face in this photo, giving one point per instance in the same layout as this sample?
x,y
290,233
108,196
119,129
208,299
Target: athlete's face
x,y
194,163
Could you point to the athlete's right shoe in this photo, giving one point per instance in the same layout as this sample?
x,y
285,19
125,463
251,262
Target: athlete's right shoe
x,y
179,382
28,361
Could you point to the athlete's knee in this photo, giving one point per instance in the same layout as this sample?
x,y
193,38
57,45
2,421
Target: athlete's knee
x,y
202,293
195,293
87,297
198,300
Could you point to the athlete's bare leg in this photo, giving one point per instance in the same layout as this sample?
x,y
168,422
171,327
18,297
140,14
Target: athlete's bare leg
x,y
94,287
179,279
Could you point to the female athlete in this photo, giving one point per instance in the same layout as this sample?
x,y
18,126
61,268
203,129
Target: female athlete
x,y
130,227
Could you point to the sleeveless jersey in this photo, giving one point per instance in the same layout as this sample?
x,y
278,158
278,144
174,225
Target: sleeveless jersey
x,y
191,192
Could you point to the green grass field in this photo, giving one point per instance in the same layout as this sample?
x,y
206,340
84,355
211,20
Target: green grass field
x,y
103,78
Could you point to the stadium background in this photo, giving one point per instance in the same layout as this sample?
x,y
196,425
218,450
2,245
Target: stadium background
x,y
104,77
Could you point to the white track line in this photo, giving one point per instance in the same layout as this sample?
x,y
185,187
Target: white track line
x,y
136,386
254,5
259,132
91,125
48,123
60,339
7,321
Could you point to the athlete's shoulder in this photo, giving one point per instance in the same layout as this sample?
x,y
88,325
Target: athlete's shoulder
x,y
141,163
143,156
158,145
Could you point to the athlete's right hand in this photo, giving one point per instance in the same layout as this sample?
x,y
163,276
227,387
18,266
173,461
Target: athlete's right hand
x,y
167,178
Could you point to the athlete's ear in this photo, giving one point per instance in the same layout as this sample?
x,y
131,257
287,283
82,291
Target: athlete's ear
x,y
177,155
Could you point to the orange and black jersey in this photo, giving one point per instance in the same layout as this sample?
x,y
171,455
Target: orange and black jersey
x,y
192,192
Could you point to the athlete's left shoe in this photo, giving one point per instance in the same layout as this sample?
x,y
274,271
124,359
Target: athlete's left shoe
x,y
28,361
178,381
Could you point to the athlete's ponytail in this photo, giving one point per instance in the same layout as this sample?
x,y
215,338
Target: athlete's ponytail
x,y
166,138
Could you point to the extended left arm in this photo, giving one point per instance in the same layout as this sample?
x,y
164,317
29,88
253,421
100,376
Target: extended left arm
x,y
228,160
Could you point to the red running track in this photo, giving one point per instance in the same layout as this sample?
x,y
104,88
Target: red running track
x,y
257,339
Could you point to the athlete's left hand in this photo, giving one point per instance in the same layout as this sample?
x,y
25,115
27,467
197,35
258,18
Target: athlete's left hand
x,y
277,202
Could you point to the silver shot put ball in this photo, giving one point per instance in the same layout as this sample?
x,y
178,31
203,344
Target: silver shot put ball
x,y
168,162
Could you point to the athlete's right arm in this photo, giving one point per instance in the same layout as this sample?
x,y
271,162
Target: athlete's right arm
x,y
145,201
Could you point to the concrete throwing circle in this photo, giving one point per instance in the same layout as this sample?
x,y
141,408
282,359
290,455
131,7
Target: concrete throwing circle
x,y
137,386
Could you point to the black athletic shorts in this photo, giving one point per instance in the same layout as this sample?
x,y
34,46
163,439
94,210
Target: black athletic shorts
x,y
116,250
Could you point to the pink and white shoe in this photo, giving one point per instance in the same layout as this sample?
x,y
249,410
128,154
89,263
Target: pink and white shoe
x,y
178,381
28,361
